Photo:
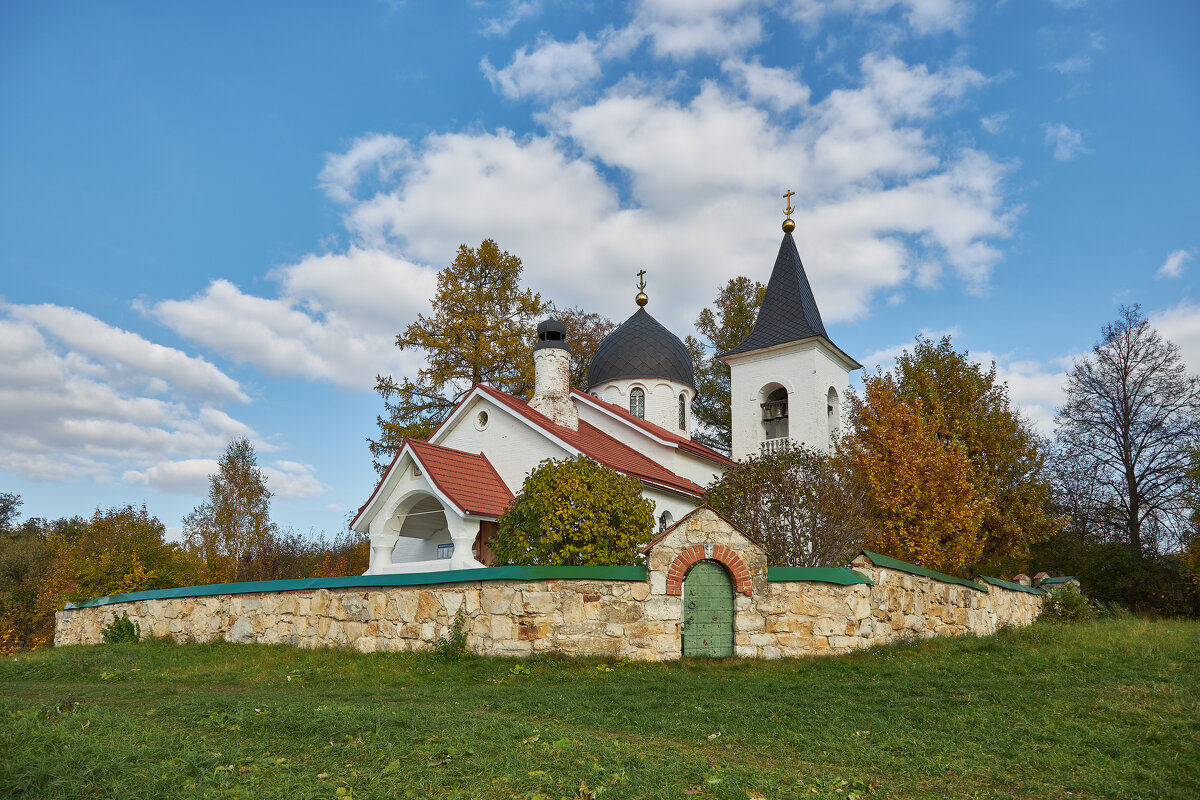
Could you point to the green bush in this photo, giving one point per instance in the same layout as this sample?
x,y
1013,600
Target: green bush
x,y
453,646
1068,605
574,513
121,629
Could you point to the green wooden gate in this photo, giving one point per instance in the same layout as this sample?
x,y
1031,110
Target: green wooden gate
x,y
707,611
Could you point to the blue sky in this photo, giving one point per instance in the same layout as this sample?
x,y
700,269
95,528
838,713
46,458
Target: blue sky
x,y
214,218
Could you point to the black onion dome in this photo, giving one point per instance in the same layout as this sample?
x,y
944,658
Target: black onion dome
x,y
641,348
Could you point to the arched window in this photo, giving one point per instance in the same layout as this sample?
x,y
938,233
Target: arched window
x,y
637,403
833,413
665,520
682,411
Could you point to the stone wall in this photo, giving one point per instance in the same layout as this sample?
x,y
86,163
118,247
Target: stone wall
x,y
639,619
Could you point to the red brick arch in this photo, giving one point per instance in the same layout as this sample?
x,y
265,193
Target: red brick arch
x,y
728,558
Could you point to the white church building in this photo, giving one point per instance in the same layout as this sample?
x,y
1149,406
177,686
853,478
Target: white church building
x,y
436,506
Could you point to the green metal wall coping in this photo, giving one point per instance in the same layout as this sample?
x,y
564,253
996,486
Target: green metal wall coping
x,y
839,575
1056,581
370,581
1016,587
880,560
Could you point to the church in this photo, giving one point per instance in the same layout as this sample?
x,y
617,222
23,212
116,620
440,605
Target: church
x,y
436,506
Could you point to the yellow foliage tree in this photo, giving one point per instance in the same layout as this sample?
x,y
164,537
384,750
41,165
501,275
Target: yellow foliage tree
x,y
232,530
964,405
929,512
480,331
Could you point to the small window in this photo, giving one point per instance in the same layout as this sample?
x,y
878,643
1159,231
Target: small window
x,y
665,521
682,411
637,403
445,550
481,420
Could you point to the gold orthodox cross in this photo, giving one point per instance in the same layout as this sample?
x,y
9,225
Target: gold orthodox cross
x,y
641,280
788,197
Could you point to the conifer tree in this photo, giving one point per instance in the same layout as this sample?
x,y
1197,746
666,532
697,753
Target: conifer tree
x,y
480,331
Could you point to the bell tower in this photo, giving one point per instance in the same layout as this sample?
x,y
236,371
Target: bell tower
x,y
788,381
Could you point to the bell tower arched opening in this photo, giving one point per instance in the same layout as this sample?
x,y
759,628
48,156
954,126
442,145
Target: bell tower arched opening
x,y
775,425
833,414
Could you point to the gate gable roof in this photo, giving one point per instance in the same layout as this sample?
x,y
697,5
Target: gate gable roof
x,y
653,542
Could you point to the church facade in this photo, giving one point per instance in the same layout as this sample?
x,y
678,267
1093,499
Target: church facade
x,y
437,504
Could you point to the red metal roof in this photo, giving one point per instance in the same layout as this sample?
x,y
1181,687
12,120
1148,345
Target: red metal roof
x,y
596,444
588,440
662,433
468,479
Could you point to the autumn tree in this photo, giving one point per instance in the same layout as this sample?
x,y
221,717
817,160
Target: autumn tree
x,y
480,331
928,511
1131,419
585,331
721,328
964,405
805,507
233,525
574,512
120,550
44,564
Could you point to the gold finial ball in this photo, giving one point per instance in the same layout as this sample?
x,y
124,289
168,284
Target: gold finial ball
x,y
788,226
641,299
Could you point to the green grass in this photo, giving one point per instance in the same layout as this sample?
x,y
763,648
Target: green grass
x,y
1110,709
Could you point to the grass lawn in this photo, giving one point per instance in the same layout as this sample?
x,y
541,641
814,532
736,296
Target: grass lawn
x,y
1110,709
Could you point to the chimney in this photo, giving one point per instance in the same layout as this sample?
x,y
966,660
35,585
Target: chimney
x,y
552,376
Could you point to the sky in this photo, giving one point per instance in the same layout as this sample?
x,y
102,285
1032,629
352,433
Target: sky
x,y
216,217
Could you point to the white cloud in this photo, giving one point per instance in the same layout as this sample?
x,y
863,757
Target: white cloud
x,y
551,69
1174,265
186,476
291,479
923,16
687,28
1181,324
380,155
994,123
517,10
72,410
1067,143
776,87
128,358
1037,389
638,176
287,480
335,319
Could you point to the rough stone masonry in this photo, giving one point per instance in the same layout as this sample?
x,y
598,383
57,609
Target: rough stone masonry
x,y
638,619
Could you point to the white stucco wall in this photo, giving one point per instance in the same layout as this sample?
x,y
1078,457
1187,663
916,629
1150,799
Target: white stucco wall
x,y
662,400
808,370
508,442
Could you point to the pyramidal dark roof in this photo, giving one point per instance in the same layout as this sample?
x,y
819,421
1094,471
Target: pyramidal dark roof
x,y
789,311
641,348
